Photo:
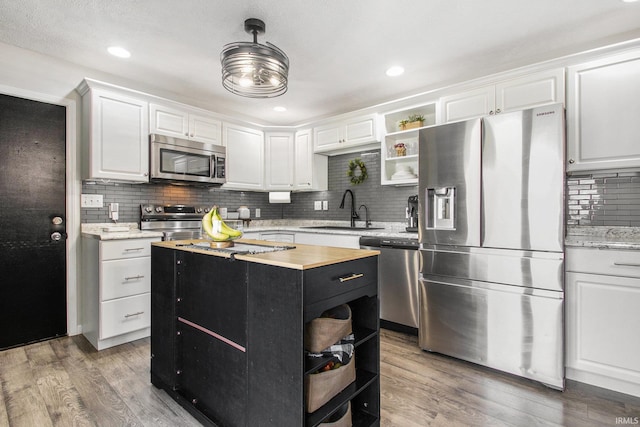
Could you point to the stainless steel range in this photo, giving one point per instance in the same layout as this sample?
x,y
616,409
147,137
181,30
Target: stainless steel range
x,y
177,222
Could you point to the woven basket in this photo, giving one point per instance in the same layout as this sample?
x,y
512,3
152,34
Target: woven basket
x,y
323,332
343,421
320,388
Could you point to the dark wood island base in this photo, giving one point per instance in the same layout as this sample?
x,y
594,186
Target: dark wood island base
x,y
227,331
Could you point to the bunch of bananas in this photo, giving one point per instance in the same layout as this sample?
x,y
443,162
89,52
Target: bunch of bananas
x,y
214,226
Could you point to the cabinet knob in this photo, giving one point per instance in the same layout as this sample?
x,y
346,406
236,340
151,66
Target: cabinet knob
x,y
186,134
498,111
491,113
571,161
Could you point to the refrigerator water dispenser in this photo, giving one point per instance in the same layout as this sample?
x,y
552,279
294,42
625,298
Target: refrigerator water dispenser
x,y
441,208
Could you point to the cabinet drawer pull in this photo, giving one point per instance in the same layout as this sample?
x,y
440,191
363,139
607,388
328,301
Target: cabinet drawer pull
x,y
133,249
133,314
627,264
353,276
134,277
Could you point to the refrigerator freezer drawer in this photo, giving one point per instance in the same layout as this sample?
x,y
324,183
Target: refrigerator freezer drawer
x,y
502,327
541,270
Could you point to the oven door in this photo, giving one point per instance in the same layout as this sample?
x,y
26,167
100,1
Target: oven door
x,y
187,161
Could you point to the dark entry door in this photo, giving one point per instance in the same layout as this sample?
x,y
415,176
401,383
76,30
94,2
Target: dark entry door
x,y
32,210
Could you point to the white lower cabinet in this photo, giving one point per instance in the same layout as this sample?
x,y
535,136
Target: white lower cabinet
x,y
116,286
339,240
277,236
603,318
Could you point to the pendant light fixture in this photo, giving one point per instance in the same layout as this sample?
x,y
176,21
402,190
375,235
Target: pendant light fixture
x,y
254,70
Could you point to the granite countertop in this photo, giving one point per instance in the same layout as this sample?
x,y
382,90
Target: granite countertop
x,y
602,237
379,229
99,231
299,257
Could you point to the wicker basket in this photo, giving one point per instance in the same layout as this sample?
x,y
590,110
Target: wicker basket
x,y
323,332
343,421
320,388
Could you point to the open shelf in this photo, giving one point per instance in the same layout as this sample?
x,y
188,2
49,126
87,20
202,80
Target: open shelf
x,y
363,380
392,164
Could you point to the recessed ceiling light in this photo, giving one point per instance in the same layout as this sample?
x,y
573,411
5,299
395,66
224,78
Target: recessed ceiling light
x,y
394,71
279,109
629,1
118,51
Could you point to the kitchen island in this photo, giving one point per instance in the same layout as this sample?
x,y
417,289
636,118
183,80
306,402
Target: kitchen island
x,y
228,329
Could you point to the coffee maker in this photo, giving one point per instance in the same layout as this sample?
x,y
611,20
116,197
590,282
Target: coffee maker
x,y
412,213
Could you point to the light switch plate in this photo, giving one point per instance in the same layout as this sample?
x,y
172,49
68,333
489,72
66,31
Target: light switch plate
x,y
257,212
325,205
91,200
317,205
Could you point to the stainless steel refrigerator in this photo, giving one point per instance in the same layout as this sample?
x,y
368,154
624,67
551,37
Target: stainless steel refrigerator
x,y
491,229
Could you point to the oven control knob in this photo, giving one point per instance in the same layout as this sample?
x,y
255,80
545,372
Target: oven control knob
x,y
158,209
206,210
199,210
148,209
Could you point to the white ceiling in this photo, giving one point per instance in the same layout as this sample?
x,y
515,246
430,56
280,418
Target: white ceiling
x,y
338,49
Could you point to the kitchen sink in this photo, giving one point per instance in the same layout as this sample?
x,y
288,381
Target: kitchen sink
x,y
342,227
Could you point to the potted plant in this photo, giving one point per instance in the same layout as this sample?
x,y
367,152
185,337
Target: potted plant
x,y
401,149
411,122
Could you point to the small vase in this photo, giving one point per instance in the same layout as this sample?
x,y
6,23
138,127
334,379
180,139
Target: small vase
x,y
401,151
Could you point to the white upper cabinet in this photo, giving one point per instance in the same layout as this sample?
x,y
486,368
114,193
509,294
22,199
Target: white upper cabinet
x,y
603,126
511,95
310,170
340,137
279,156
245,157
185,123
115,129
291,165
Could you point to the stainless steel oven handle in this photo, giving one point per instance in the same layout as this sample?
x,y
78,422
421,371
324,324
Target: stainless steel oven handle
x,y
212,166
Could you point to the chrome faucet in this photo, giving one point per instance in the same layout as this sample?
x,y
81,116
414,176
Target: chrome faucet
x,y
367,222
354,214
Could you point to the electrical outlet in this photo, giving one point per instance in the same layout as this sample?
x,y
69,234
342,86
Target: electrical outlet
x,y
317,205
91,201
325,205
257,212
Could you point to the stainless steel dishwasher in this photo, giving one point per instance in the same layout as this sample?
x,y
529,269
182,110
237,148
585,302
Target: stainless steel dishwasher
x,y
398,275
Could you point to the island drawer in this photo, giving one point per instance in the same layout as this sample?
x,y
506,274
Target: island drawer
x,y
325,282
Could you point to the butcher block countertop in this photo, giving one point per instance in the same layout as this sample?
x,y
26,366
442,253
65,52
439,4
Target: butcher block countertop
x,y
300,257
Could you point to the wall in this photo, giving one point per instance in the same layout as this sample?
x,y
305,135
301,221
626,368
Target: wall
x,y
607,199
385,203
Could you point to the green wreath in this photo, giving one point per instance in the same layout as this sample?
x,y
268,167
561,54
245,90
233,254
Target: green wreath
x,y
357,178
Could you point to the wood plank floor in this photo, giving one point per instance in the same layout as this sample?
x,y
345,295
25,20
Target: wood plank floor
x,y
65,382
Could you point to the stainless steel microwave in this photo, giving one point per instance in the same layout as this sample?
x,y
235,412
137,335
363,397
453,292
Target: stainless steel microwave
x,y
181,160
